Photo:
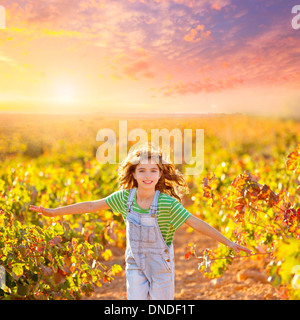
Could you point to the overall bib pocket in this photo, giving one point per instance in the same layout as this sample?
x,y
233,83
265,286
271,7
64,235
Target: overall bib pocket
x,y
141,232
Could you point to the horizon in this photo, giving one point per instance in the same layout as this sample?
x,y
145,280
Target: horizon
x,y
135,115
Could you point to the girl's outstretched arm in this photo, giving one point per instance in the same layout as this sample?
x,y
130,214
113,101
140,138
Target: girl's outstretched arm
x,y
211,232
77,208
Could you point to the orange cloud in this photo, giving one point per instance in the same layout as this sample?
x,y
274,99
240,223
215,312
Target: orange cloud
x,y
193,36
216,6
219,4
204,69
194,87
138,67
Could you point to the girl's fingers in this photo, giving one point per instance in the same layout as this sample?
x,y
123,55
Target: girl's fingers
x,y
35,208
245,249
236,247
42,211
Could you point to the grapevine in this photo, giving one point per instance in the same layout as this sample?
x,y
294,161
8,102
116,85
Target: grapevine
x,y
257,217
249,190
49,263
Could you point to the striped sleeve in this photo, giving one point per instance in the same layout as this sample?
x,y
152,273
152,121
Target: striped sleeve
x,y
117,202
178,214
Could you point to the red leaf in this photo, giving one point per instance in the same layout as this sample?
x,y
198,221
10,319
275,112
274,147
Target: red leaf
x,y
47,272
55,241
187,255
293,162
41,249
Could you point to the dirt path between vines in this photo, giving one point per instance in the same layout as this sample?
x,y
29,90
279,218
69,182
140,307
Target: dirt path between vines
x,y
245,279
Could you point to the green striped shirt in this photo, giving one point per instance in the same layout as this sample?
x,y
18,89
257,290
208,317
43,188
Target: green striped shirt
x,y
170,212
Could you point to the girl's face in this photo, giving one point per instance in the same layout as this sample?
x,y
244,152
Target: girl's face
x,y
147,175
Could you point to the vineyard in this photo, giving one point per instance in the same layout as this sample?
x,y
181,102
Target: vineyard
x,y
249,190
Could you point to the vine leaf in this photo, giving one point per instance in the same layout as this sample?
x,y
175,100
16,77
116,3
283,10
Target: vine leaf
x,y
293,162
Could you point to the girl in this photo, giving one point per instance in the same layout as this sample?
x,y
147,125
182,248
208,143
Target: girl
x,y
150,203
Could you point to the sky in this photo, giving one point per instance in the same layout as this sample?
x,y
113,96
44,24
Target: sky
x,y
142,56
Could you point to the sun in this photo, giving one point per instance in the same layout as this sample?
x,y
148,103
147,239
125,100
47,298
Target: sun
x,y
64,92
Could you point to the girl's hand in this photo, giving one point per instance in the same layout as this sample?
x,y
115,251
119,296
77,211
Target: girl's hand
x,y
40,210
237,248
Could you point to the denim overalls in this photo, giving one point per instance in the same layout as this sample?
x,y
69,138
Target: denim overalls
x,y
149,260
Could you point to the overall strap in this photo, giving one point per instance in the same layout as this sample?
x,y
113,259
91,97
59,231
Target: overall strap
x,y
130,199
153,208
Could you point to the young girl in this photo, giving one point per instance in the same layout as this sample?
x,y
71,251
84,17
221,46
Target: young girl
x,y
150,203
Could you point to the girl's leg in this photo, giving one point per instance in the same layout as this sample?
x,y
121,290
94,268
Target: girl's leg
x,y
162,289
137,285
162,278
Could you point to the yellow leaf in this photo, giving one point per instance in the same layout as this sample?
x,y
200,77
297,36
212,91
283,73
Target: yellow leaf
x,y
106,254
116,269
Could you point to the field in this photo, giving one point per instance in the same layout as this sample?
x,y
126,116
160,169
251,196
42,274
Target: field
x,y
249,189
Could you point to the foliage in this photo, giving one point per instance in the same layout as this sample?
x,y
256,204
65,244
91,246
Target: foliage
x,y
51,258
49,263
249,190
261,219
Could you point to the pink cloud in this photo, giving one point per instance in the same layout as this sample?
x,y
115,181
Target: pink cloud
x,y
194,87
141,68
219,4
216,6
197,34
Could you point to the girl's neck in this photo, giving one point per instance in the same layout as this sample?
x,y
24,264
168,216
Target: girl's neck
x,y
144,195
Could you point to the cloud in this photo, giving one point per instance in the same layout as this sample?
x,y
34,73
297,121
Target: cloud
x,y
11,63
197,34
6,59
216,6
204,5
138,68
219,4
195,87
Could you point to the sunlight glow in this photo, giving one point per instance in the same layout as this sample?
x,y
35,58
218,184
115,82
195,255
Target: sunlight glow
x,y
64,93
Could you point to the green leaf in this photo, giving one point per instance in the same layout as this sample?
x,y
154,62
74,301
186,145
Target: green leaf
x,y
58,228
84,266
18,269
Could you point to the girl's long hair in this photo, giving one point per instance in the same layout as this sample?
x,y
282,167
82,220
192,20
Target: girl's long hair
x,y
171,182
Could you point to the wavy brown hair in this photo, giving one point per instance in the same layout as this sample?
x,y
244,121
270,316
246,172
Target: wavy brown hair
x,y
171,182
